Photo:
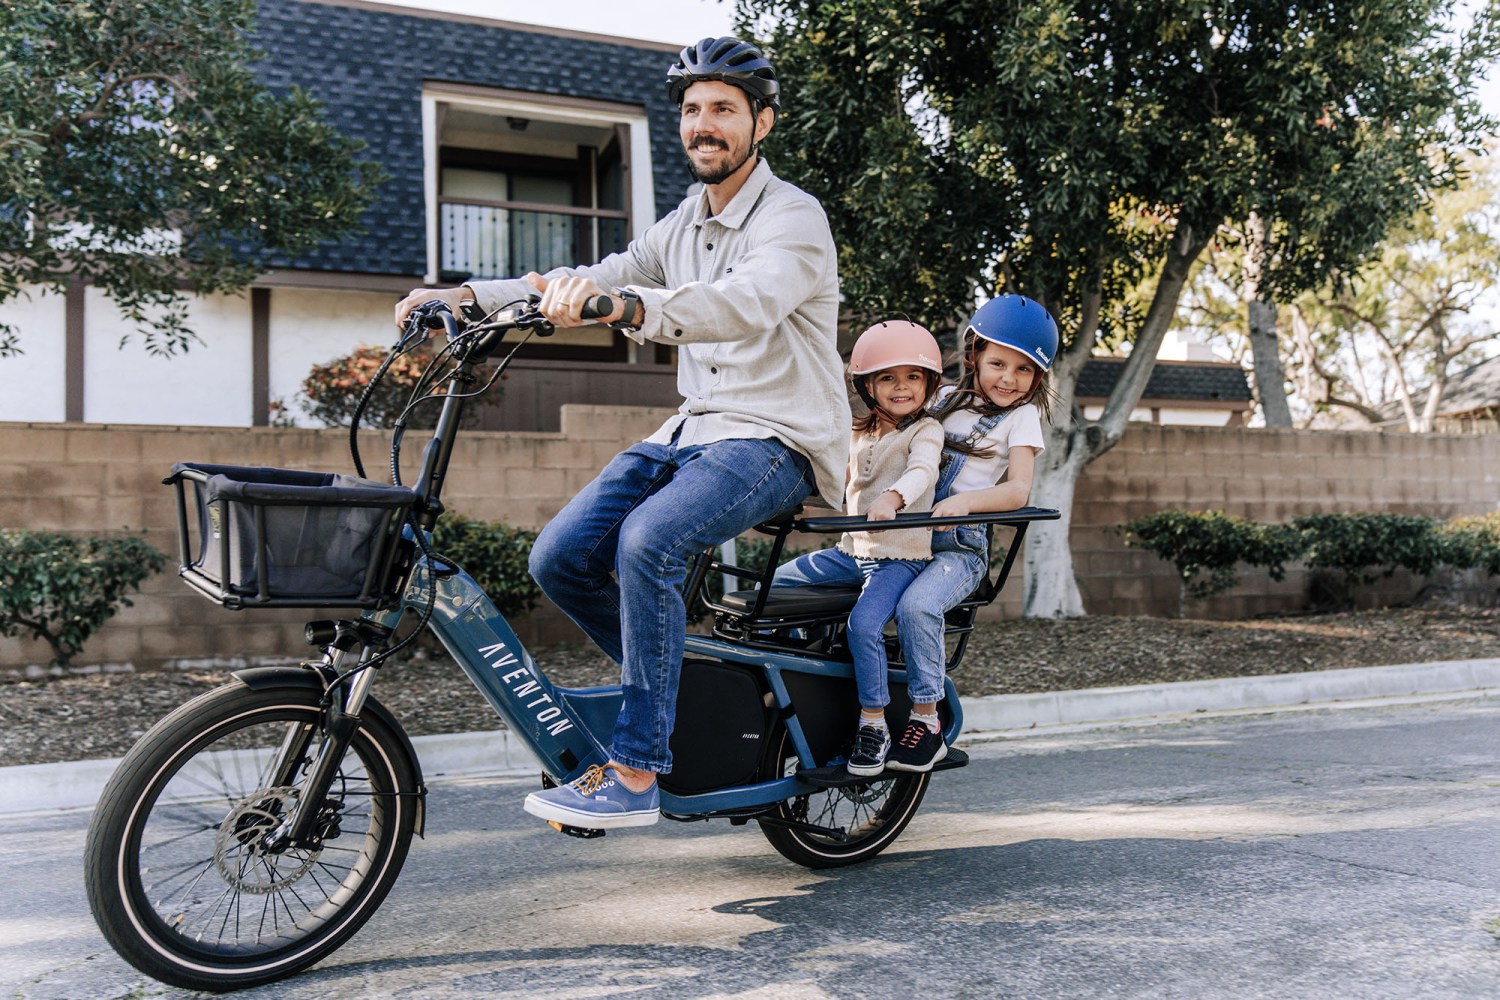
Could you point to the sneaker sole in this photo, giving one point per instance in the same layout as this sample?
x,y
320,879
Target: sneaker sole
x,y
865,772
554,813
896,765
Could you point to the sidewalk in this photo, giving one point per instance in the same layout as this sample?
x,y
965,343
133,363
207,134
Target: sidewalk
x,y
38,788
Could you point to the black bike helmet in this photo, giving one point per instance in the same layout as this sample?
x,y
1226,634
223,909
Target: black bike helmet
x,y
728,59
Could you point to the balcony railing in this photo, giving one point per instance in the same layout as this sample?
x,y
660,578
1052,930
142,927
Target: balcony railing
x,y
503,239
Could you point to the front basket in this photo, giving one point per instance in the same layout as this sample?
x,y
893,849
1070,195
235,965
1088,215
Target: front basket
x,y
280,538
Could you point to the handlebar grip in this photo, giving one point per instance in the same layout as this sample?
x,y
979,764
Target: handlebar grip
x,y
597,307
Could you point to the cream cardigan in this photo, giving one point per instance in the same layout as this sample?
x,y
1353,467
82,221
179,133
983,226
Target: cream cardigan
x,y
905,461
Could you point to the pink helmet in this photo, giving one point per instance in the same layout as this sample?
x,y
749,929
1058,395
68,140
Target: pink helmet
x,y
895,342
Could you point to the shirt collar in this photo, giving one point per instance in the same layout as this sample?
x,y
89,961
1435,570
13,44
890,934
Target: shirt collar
x,y
739,206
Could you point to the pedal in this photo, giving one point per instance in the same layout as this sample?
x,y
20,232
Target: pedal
x,y
582,833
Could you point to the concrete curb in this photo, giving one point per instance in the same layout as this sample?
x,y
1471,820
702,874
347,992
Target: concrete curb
x,y
43,788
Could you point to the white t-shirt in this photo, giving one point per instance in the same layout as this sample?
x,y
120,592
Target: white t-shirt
x,y
1020,427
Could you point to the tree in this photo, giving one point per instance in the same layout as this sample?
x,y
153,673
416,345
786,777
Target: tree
x,y
1389,337
139,153
1085,153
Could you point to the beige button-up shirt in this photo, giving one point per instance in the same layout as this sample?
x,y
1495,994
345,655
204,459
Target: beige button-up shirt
x,y
905,461
750,299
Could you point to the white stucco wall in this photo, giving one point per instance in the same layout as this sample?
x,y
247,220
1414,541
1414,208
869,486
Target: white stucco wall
x,y
33,385
313,327
1183,416
207,385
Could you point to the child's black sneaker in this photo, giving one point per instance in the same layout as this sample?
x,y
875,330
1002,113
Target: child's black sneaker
x,y
871,744
918,749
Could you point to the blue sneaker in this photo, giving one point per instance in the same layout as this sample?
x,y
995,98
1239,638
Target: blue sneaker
x,y
596,800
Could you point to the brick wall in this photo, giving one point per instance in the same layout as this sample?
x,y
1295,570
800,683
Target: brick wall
x,y
94,478
1268,476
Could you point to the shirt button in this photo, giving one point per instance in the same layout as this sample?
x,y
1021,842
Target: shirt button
x,y
710,246
713,371
676,333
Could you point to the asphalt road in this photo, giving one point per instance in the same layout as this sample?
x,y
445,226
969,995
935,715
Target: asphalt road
x,y
1349,854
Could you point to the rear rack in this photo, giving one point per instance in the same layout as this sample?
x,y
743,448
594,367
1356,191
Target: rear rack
x,y
740,614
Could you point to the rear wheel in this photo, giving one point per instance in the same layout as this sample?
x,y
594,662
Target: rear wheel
x,y
871,814
178,871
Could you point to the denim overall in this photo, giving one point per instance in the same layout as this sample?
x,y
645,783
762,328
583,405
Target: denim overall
x,y
966,537
960,558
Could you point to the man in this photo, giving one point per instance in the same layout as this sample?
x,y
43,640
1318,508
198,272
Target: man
x,y
743,280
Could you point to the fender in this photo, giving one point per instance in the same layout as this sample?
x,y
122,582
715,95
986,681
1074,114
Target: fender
x,y
265,678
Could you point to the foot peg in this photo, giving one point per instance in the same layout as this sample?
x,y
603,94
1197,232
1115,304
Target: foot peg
x,y
580,832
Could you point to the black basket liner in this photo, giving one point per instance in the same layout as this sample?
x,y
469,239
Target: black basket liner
x,y
285,537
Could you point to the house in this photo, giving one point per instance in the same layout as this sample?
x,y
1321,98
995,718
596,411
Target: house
x,y
1189,385
1471,402
509,148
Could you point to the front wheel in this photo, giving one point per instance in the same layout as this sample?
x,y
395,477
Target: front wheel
x,y
178,873
871,814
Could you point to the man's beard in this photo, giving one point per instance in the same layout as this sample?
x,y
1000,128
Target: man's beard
x,y
717,175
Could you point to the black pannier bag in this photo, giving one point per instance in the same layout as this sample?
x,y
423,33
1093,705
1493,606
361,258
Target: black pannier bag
x,y
256,537
719,739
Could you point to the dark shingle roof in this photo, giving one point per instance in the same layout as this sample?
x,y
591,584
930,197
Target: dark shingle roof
x,y
367,66
1186,380
1475,388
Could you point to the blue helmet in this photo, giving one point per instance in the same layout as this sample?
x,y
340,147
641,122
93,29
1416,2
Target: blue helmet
x,y
1018,323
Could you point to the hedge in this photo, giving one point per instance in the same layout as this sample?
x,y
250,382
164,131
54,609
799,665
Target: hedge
x,y
1206,546
61,588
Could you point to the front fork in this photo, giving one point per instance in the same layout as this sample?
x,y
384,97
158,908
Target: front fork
x,y
304,824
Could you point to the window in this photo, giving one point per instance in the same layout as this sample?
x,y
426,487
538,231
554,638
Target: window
x,y
525,182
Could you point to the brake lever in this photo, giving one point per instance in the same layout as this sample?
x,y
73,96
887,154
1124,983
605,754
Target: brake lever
x,y
535,321
595,308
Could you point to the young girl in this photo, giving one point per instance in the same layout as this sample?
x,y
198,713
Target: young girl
x,y
993,428
893,464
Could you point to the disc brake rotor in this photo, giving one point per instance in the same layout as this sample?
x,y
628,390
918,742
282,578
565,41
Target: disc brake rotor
x,y
239,854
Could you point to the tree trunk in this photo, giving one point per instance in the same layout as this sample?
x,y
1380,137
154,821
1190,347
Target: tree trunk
x,y
1270,379
1051,585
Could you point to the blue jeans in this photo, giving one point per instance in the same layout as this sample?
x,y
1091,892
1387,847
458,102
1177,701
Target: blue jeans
x,y
955,570
882,582
616,557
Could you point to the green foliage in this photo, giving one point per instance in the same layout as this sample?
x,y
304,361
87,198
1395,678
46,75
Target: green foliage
x,y
332,390
1205,546
494,555
1387,340
1069,149
1366,546
62,588
1472,543
139,151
